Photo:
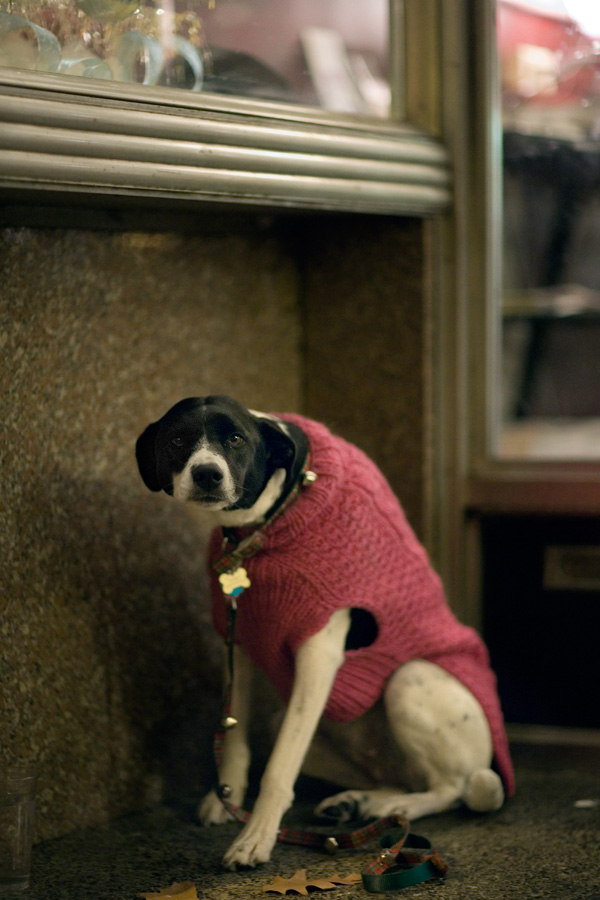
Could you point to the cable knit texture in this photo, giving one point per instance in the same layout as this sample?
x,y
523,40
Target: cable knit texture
x,y
345,542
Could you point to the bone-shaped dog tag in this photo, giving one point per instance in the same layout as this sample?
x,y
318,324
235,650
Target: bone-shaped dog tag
x,y
233,583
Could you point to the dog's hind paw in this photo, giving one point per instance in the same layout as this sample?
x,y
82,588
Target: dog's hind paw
x,y
212,812
339,809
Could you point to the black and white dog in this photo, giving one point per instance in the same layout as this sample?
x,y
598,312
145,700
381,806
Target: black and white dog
x,y
426,734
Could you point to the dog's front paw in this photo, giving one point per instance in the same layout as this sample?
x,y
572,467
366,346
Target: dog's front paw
x,y
252,847
212,812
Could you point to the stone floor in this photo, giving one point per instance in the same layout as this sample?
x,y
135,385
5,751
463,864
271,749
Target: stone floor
x,y
542,844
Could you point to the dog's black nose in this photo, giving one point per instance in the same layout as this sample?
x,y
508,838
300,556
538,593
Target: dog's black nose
x,y
207,477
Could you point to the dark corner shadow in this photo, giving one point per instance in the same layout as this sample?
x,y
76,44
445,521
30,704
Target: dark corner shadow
x,y
133,572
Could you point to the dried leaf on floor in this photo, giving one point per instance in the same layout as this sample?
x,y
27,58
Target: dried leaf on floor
x,y
352,878
181,890
299,883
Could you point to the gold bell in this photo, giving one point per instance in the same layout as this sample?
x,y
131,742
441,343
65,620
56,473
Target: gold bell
x,y
309,477
331,845
228,722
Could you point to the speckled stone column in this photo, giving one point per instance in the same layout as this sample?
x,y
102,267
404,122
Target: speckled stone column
x,y
365,344
109,669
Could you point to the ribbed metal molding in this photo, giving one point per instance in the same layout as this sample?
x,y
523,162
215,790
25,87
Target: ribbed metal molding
x,y
62,142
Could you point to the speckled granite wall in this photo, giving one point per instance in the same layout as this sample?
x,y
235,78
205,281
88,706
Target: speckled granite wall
x,y
365,344
109,671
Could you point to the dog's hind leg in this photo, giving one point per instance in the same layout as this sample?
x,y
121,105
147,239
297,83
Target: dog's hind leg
x,y
445,737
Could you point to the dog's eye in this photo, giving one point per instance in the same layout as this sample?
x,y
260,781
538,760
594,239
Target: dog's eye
x,y
177,442
235,440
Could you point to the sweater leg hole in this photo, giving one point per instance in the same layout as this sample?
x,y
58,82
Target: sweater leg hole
x,y
363,629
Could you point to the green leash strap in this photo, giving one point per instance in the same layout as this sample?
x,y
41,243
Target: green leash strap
x,y
406,860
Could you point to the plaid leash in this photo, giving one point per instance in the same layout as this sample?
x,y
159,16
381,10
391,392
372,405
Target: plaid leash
x,y
407,858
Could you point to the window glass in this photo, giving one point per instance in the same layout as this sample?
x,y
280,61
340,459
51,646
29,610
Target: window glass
x,y
549,382
327,53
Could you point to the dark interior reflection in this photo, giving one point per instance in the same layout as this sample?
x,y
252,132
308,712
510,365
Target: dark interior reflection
x,y
550,65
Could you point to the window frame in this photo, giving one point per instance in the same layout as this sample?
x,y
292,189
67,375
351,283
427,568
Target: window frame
x,y
87,140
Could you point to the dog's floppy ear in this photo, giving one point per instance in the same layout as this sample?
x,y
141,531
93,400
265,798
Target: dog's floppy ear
x,y
145,453
280,441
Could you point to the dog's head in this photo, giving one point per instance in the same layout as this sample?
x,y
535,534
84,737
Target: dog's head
x,y
217,454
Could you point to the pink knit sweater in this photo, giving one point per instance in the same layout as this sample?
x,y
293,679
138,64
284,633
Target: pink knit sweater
x,y
345,542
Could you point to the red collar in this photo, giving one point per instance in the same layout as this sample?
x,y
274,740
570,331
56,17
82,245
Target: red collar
x,y
238,547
